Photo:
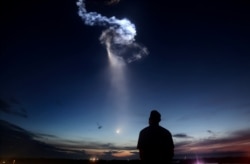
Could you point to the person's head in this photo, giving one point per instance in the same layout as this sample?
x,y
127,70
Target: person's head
x,y
154,118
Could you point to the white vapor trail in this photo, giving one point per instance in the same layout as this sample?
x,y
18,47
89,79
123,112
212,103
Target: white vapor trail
x,y
119,37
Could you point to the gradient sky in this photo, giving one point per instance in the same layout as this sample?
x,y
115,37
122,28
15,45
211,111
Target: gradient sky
x,y
56,81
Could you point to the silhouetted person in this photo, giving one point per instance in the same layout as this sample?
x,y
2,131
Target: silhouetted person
x,y
155,143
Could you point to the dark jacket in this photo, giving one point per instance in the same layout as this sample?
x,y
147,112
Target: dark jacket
x,y
155,143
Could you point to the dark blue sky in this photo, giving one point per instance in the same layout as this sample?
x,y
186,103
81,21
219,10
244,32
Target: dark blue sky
x,y
56,81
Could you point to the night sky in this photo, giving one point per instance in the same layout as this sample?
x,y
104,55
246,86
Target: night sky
x,y
58,90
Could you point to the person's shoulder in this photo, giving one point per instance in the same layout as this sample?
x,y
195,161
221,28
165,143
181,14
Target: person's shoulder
x,y
162,128
145,129
165,130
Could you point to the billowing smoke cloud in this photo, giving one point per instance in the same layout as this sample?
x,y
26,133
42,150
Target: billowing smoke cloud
x,y
119,37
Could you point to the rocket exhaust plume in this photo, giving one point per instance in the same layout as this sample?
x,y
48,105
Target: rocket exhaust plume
x,y
119,40
119,37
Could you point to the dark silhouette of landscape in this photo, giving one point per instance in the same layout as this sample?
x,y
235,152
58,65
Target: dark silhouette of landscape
x,y
18,146
225,160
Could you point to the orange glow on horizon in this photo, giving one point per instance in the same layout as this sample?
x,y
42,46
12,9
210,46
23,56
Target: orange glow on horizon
x,y
100,152
124,153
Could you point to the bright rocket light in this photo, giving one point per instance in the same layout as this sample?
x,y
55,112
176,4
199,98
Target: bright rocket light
x,y
118,131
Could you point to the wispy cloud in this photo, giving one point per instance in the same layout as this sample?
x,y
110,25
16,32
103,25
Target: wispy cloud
x,y
121,154
45,136
181,135
212,134
13,107
78,145
236,141
210,131
18,142
91,148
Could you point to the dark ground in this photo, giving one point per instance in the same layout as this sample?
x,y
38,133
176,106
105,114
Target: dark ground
x,y
228,160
